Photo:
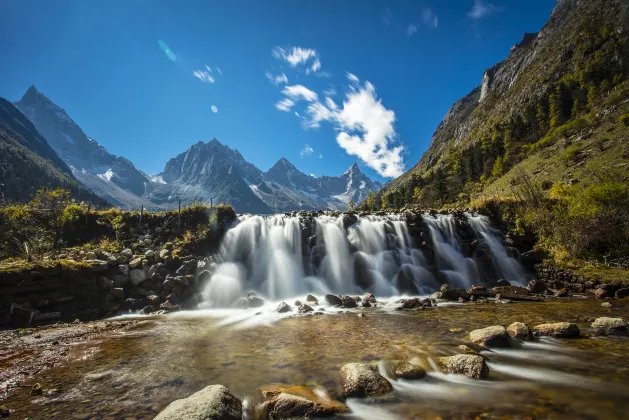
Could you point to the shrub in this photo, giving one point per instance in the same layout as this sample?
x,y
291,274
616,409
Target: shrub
x,y
624,119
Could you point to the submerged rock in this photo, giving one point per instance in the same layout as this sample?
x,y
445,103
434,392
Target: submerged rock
x,y
254,301
214,402
333,300
521,331
494,336
403,370
291,401
610,326
470,365
360,380
558,329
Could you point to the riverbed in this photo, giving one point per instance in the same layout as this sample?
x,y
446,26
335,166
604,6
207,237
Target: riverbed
x,y
136,372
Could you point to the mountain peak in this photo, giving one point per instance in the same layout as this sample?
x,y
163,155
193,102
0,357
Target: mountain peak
x,y
354,169
32,95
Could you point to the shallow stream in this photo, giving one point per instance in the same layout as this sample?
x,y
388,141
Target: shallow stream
x,y
138,373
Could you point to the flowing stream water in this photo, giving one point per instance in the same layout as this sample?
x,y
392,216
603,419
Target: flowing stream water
x,y
137,373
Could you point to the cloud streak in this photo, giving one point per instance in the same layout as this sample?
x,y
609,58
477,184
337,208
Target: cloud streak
x,y
306,151
481,9
276,80
298,57
299,92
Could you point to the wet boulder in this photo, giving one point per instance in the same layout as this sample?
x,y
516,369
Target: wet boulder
x,y
600,293
304,309
312,299
521,331
403,370
404,281
511,291
299,401
360,380
333,300
452,294
503,283
348,302
283,308
610,326
558,330
254,301
494,336
137,276
214,402
536,286
470,365
622,293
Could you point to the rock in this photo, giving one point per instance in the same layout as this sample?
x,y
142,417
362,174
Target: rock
x,y
558,329
117,293
106,283
124,269
412,303
283,308
477,289
606,305
137,276
36,389
561,293
154,300
521,331
121,280
403,370
21,316
4,411
467,349
469,365
610,326
173,298
333,300
97,266
168,246
304,309
299,401
600,293
254,301
312,300
360,380
503,283
164,253
622,293
452,294
511,291
348,302
148,309
494,336
214,402
537,286
135,263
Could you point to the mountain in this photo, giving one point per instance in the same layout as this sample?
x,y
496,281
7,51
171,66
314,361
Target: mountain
x,y
205,172
111,177
28,163
551,110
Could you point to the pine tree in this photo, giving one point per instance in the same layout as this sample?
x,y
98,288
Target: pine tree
x,y
351,206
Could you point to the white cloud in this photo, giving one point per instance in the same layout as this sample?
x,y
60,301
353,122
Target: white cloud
x,y
320,156
203,76
411,29
214,109
351,77
219,71
430,18
481,9
298,92
306,58
208,68
329,92
313,175
276,80
285,105
306,151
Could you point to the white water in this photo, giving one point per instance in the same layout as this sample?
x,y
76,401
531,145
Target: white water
x,y
275,257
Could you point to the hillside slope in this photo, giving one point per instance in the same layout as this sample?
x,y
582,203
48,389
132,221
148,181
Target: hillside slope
x,y
560,92
28,163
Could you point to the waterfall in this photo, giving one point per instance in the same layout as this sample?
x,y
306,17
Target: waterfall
x,y
287,255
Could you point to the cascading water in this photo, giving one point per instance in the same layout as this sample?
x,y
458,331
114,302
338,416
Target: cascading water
x,y
283,256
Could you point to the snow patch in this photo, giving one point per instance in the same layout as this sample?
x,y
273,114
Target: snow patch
x,y
69,138
107,175
156,179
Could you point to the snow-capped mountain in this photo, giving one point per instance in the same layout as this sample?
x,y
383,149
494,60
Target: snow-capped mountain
x,y
206,171
111,177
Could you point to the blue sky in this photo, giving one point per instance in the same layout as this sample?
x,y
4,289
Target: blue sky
x,y
390,70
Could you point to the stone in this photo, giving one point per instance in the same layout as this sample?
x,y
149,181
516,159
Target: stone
x,y
411,303
21,315
452,294
558,329
154,300
121,280
503,283
283,308
299,401
124,269
606,305
348,302
622,293
214,402
401,369
106,283
305,309
137,276
537,286
254,301
467,349
360,380
127,253
312,300
135,263
511,290
561,293
168,246
470,365
521,331
494,336
164,253
610,326
600,293
117,294
97,266
333,300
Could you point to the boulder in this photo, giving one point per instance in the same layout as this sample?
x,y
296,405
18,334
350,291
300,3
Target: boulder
x,y
503,283
403,370
622,293
537,286
164,253
312,300
348,302
121,280
610,326
254,301
600,293
154,300
521,331
299,401
137,276
283,308
127,253
106,283
333,300
135,263
360,380
558,329
411,303
511,291
469,365
214,402
494,336
97,266
117,294
452,294
304,309
21,316
124,269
